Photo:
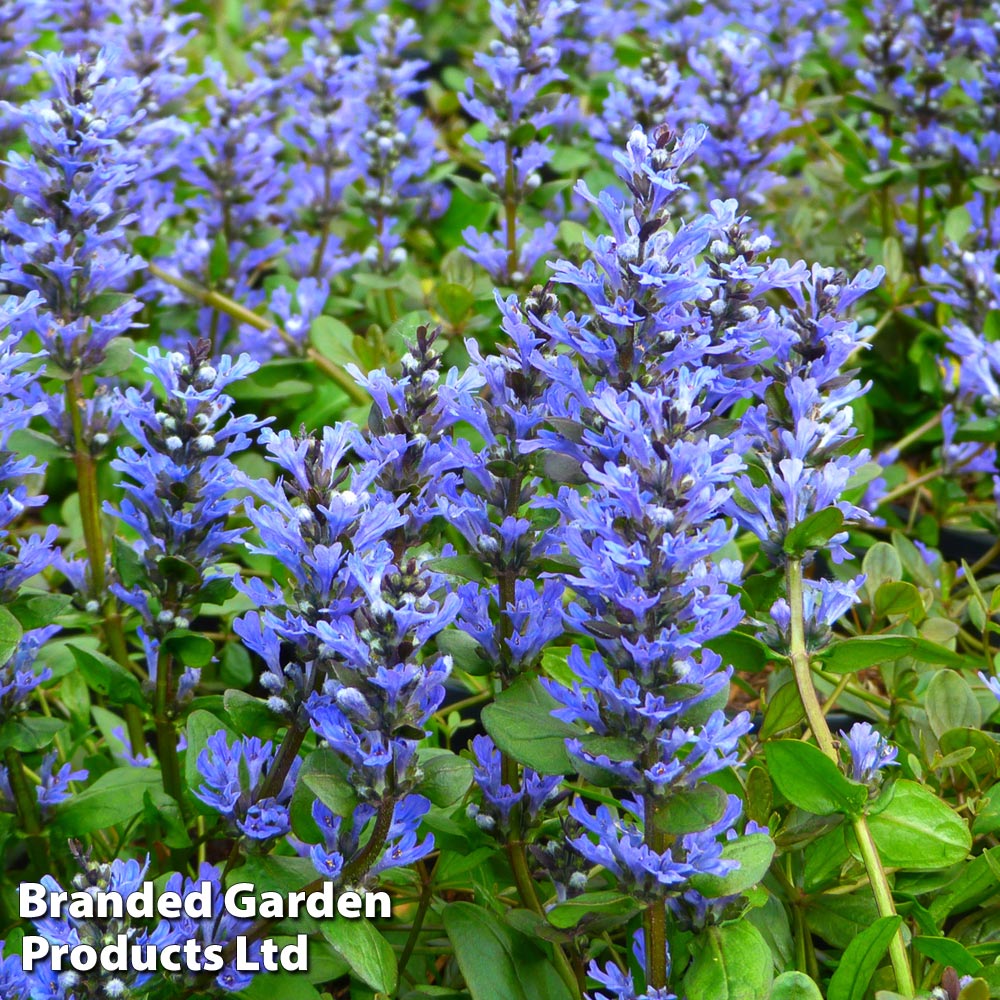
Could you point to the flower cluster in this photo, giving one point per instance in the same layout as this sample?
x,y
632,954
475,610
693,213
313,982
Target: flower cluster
x,y
65,235
179,484
235,780
515,105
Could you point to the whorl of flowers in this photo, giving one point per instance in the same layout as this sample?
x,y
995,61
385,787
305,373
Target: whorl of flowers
x,y
321,106
799,433
399,141
512,102
231,161
178,487
636,402
357,611
65,227
28,555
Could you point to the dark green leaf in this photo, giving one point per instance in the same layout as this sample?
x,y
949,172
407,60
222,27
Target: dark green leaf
x,y
813,532
113,798
608,903
691,810
860,960
810,780
522,725
189,648
745,652
917,831
108,677
498,961
754,854
365,950
729,962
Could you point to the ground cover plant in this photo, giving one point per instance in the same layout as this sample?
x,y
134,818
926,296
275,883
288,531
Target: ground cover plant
x,y
536,460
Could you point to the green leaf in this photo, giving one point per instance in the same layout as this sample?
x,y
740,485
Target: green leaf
x,y
287,985
323,776
917,831
950,703
200,725
810,780
794,986
447,776
861,651
10,634
948,952
729,962
957,224
107,677
114,798
860,960
250,714
745,652
454,301
498,961
334,339
896,598
118,356
813,532
784,710
522,725
987,813
36,610
754,854
892,260
880,565
985,429
692,810
608,903
189,648
365,950
467,567
29,733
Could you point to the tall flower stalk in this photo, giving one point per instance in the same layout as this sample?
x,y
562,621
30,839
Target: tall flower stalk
x,y
800,433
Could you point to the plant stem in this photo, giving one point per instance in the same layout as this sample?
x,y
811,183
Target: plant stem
x,y
917,433
93,540
816,719
426,894
27,807
243,315
166,734
654,920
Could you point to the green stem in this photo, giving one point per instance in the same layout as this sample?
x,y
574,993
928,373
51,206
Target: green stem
x,y
93,540
654,919
816,720
917,433
243,315
166,734
426,894
27,808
